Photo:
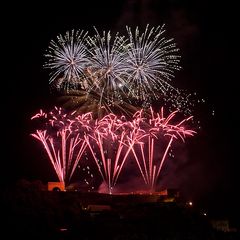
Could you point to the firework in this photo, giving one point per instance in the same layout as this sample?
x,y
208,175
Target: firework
x,y
107,74
151,62
106,143
63,139
67,58
101,78
82,103
161,131
115,69
110,141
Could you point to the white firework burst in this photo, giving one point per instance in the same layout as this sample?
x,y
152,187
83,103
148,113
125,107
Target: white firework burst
x,y
115,69
67,58
107,72
151,62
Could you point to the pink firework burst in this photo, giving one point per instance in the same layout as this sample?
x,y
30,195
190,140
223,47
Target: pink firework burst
x,y
110,141
63,139
161,131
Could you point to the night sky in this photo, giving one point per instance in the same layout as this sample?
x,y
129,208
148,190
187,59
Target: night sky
x,y
205,35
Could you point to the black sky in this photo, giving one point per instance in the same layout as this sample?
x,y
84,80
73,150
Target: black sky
x,y
205,34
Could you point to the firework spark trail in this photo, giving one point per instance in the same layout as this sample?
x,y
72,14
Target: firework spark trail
x,y
41,136
135,136
64,141
110,141
158,126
